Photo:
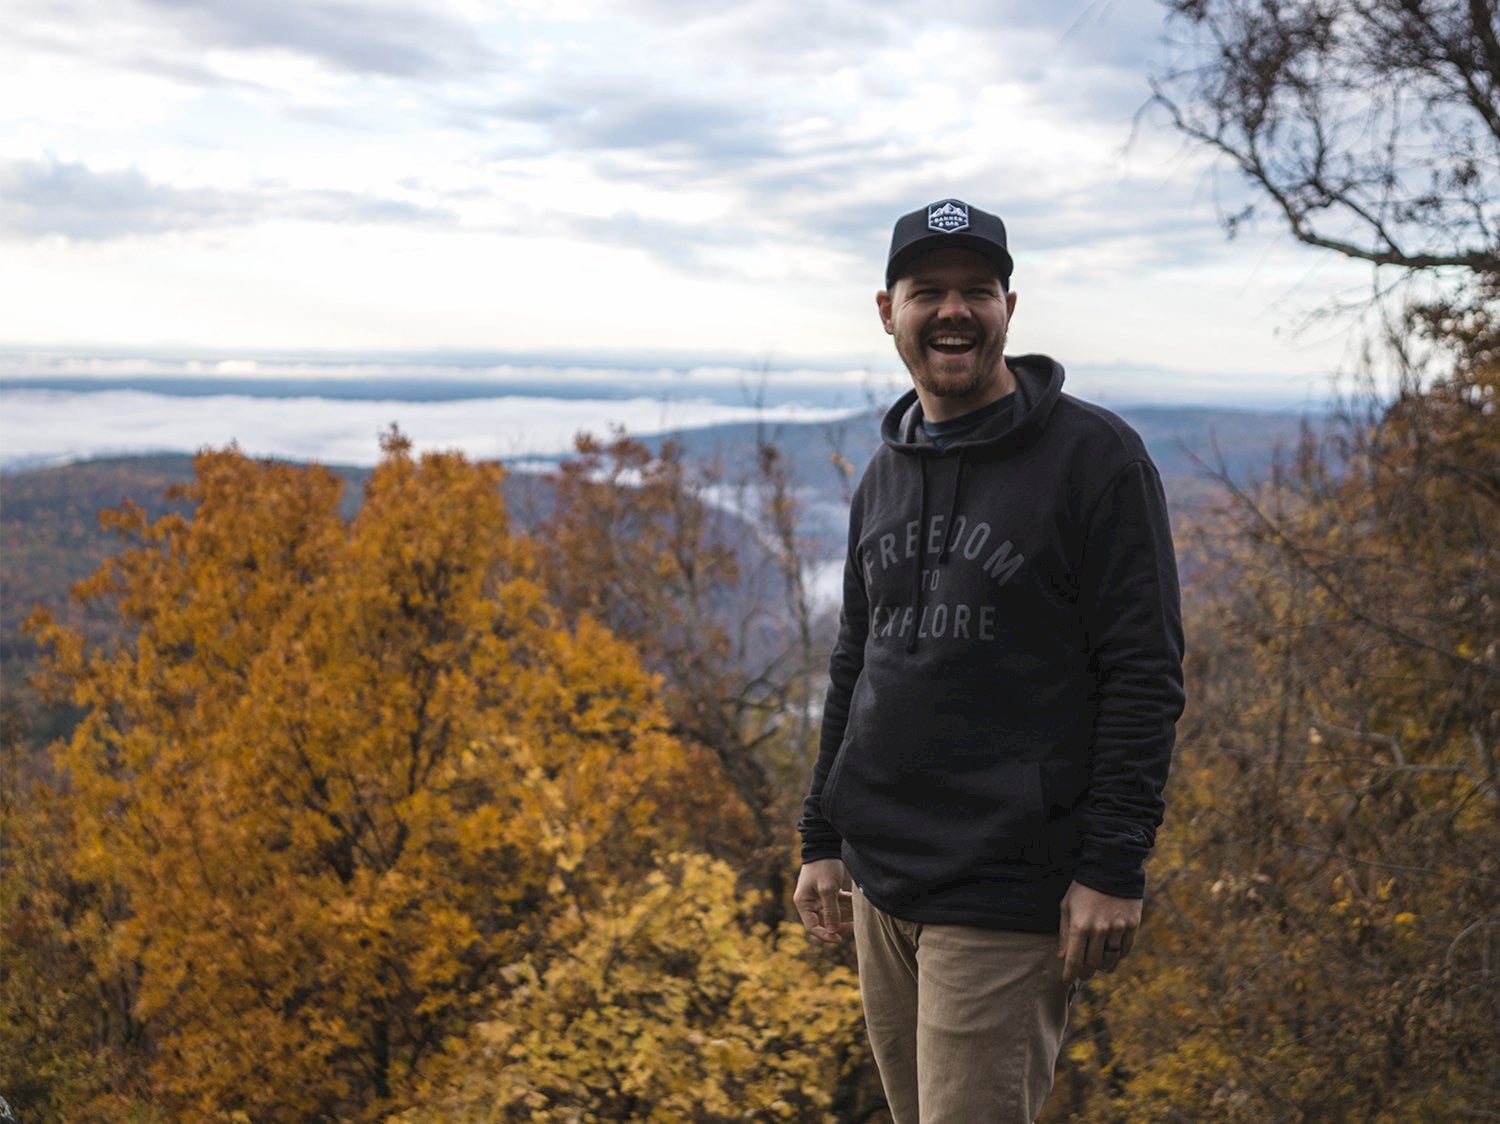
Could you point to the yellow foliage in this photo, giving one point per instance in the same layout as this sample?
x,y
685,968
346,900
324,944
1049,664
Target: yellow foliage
x,y
664,1002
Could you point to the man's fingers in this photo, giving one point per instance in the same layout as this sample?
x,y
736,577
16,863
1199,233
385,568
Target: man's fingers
x,y
1098,930
1114,945
1075,957
838,915
809,915
1068,946
817,899
828,915
1086,952
817,919
1097,959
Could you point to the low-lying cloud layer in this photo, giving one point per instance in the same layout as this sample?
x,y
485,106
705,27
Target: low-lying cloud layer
x,y
39,427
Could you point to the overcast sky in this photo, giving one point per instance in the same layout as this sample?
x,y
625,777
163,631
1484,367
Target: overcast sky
x,y
669,176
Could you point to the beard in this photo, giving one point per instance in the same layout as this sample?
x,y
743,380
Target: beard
x,y
967,374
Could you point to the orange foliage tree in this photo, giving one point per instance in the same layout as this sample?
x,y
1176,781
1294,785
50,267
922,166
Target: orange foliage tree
x,y
342,779
1323,937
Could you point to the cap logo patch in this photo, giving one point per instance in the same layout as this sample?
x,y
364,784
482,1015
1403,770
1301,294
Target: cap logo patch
x,y
948,217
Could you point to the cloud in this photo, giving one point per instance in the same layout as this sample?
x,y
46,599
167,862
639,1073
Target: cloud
x,y
715,156
403,41
51,197
999,38
611,117
54,197
814,127
202,42
164,61
49,427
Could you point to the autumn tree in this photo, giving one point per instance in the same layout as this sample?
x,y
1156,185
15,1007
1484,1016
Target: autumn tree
x,y
342,777
1371,128
1326,919
1321,940
704,574
66,1034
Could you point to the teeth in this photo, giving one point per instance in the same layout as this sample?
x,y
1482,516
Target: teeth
x,y
951,341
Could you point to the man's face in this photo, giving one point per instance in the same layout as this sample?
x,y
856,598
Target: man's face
x,y
949,314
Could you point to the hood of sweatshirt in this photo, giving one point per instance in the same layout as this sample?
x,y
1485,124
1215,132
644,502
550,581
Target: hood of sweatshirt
x,y
1039,381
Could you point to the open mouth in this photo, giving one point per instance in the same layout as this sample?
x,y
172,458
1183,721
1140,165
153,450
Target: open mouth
x,y
946,343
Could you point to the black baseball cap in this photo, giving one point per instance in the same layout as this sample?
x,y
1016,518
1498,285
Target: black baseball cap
x,y
948,222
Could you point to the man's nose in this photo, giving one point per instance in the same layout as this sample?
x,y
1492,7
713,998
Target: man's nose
x,y
953,306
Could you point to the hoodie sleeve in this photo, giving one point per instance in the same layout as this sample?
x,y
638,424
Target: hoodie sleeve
x,y
1133,620
819,838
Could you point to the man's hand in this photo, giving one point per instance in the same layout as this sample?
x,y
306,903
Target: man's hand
x,y
1096,932
826,908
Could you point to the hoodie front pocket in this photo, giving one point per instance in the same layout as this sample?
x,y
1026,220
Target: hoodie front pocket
x,y
830,784
1016,825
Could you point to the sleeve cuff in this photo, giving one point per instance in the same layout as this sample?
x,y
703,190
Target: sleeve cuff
x,y
1117,876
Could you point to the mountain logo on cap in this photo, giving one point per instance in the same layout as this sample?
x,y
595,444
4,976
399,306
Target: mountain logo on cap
x,y
948,216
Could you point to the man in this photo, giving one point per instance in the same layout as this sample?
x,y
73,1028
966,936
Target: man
x,y
1002,698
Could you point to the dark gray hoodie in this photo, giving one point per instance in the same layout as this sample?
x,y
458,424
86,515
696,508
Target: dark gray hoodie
x,y
1008,673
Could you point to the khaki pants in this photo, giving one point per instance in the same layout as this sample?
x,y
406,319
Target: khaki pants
x,y
965,1023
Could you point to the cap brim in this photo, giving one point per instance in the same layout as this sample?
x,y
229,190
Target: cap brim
x,y
998,255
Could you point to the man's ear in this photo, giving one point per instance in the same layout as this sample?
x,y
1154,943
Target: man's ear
x,y
883,303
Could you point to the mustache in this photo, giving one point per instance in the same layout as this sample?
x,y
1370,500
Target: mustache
x,y
961,327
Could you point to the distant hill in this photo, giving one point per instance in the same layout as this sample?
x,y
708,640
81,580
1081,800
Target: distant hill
x,y
50,535
1183,440
1188,444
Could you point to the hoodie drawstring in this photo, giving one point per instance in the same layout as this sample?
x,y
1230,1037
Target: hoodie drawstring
x,y
916,570
958,486
917,585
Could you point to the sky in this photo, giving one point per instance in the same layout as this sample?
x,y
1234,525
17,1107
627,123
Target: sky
x,y
622,177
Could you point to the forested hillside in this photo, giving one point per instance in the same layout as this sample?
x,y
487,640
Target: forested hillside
x,y
50,535
391,807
